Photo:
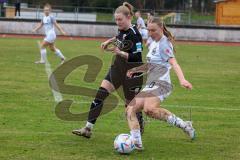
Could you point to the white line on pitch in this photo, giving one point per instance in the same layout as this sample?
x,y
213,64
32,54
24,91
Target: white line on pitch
x,y
180,106
57,96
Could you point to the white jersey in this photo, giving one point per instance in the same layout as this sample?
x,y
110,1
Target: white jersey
x,y
48,23
143,29
158,78
141,23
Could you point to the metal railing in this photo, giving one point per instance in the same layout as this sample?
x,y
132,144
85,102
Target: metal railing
x,y
102,14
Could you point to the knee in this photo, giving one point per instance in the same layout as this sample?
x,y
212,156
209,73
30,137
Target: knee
x,y
149,111
52,49
42,47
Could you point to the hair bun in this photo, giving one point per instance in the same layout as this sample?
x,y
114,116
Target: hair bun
x,y
129,6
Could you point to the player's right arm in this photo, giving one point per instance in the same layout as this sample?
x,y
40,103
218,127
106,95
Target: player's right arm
x,y
38,27
105,44
143,68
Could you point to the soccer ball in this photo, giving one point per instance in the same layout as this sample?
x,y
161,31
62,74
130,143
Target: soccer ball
x,y
124,144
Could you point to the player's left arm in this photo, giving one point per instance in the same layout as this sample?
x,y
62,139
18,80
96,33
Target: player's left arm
x,y
59,28
176,67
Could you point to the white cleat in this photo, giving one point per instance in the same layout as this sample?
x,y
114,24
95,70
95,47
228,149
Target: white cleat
x,y
39,62
139,147
62,61
189,130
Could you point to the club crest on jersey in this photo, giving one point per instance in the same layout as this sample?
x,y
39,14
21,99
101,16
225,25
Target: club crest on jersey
x,y
154,51
167,51
124,36
123,45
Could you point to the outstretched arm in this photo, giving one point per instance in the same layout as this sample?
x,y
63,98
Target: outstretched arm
x,y
143,68
105,44
38,27
183,82
59,28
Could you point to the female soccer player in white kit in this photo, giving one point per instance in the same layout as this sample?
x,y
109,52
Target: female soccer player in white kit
x,y
160,59
48,22
141,26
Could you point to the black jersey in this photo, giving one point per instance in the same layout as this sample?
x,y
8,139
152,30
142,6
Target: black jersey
x,y
129,41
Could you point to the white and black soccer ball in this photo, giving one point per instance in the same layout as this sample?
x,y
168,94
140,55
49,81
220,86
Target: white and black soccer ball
x,y
124,144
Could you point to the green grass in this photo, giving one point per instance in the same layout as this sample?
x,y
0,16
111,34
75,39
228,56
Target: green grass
x,y
199,17
196,18
29,128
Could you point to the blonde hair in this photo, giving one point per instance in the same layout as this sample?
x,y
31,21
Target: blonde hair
x,y
126,9
47,5
166,32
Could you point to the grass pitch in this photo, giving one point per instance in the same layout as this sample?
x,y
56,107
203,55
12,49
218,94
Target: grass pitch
x,y
29,128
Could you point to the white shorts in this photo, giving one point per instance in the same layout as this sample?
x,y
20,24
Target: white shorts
x,y
144,34
157,91
50,37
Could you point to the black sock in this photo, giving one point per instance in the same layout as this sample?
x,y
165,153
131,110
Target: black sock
x,y
97,104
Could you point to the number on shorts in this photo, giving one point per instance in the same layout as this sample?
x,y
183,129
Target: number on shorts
x,y
151,85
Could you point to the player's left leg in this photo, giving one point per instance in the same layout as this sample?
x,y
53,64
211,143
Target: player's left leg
x,y
152,109
57,52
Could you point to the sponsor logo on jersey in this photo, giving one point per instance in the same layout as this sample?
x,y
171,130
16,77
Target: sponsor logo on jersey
x,y
139,47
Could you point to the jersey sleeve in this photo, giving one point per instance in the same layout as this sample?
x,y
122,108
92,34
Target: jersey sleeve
x,y
53,19
136,50
167,52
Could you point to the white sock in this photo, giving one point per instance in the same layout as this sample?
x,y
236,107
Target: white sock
x,y
43,55
89,125
176,121
136,135
59,54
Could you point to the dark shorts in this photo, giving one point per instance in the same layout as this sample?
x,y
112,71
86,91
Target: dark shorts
x,y
130,86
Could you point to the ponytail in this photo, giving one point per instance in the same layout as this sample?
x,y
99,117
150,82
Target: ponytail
x,y
126,9
169,35
166,32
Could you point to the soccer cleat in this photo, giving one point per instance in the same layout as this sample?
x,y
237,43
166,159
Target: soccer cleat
x,y
62,61
39,62
139,147
85,132
189,130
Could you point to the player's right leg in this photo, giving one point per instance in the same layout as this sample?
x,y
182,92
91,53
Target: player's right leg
x,y
96,107
135,106
43,52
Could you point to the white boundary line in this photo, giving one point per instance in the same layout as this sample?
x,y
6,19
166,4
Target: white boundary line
x,y
57,96
179,106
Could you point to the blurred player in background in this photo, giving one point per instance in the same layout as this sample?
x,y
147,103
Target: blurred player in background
x,y
150,17
160,60
48,22
141,26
